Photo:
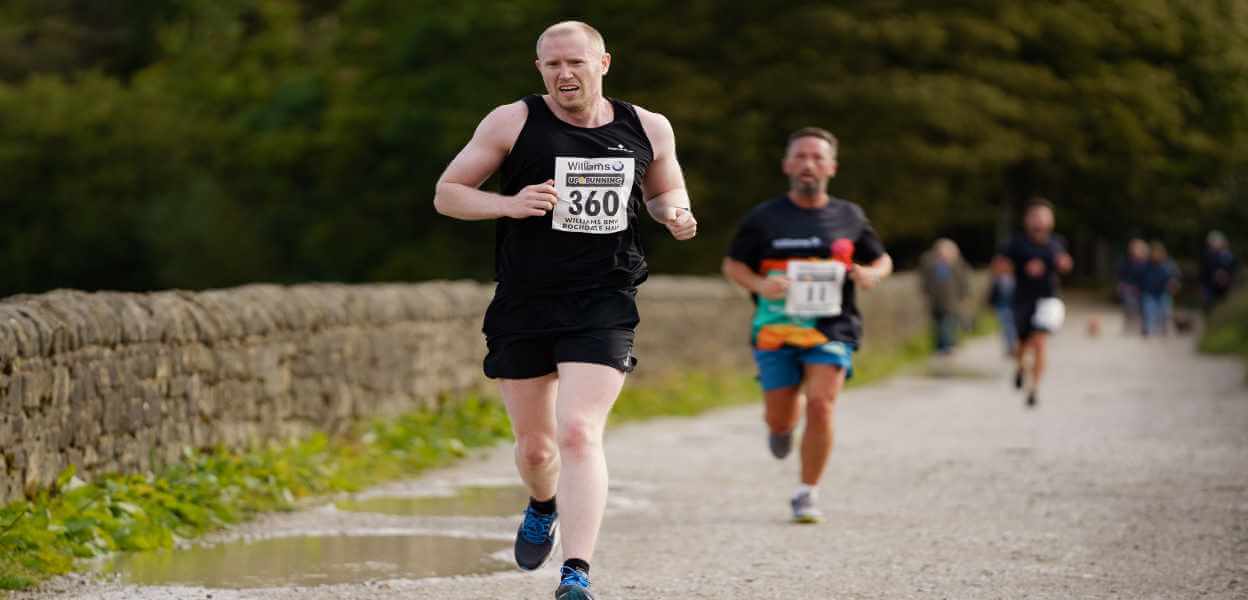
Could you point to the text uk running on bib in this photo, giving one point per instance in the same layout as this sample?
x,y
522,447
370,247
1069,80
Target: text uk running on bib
x,y
593,194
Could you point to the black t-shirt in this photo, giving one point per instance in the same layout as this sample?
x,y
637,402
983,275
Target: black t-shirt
x,y
531,256
778,230
1022,250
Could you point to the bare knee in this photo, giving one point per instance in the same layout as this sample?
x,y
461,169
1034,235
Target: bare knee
x,y
535,450
579,439
781,409
781,422
819,409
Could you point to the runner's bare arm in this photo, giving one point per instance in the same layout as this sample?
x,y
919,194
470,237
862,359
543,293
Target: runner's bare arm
x,y
867,276
741,274
1065,263
667,200
456,194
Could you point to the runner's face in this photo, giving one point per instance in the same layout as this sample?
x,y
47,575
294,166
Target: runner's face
x,y
809,162
572,70
1039,222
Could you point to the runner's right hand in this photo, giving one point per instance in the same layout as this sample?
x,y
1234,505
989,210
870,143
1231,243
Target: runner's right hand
x,y
533,201
775,287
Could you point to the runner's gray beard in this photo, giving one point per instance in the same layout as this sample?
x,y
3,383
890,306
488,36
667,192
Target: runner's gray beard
x,y
807,189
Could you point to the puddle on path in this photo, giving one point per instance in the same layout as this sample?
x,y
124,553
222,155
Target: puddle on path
x,y
470,501
320,560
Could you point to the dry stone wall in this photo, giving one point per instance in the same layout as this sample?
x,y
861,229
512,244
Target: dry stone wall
x,y
121,382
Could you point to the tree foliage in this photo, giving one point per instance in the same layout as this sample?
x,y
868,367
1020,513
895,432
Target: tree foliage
x,y
202,143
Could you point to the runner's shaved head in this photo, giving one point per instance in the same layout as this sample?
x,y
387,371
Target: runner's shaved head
x,y
567,27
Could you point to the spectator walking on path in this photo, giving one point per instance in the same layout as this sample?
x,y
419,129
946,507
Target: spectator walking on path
x,y
1130,277
1001,299
1217,270
1157,289
945,280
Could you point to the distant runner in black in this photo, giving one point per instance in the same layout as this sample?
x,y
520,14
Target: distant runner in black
x,y
576,168
1036,257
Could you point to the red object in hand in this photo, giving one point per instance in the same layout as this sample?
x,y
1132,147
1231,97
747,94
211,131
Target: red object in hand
x,y
843,250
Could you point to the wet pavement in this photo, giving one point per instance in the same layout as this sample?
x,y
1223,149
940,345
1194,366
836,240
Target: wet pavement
x,y
470,501
313,560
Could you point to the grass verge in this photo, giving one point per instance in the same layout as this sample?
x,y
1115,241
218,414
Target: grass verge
x,y
209,490
1226,332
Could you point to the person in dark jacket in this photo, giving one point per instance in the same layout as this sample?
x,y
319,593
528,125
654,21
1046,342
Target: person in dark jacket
x,y
945,280
1001,299
1130,275
1157,288
1217,270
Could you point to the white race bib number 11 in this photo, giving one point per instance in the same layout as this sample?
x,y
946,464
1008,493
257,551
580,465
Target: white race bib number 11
x,y
593,194
814,288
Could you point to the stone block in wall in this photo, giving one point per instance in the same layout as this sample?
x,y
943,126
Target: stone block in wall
x,y
106,447
8,438
36,387
73,456
198,359
8,339
90,455
86,429
61,385
233,362
14,397
126,451
203,399
35,473
152,402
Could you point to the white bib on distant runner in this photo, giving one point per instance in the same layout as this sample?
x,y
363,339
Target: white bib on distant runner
x,y
1050,314
593,194
814,288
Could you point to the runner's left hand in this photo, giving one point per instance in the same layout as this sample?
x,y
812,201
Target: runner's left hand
x,y
682,224
864,277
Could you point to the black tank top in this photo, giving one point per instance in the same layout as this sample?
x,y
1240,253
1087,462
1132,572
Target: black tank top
x,y
531,256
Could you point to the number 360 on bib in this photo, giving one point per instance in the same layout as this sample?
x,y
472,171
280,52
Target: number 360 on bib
x,y
593,194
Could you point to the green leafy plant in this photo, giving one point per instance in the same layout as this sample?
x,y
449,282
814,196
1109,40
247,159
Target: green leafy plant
x,y
1227,329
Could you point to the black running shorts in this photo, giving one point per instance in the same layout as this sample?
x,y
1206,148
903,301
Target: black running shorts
x,y
1024,316
528,336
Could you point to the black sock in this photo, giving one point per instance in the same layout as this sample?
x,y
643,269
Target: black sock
x,y
578,564
543,508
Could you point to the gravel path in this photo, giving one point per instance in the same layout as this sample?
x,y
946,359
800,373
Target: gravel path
x,y
1129,481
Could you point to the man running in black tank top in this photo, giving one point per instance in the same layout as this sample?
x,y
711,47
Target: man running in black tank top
x,y
576,169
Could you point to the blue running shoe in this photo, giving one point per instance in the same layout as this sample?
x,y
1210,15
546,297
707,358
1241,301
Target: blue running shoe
x,y
573,585
536,539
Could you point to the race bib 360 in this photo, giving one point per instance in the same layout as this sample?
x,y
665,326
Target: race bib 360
x,y
593,194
